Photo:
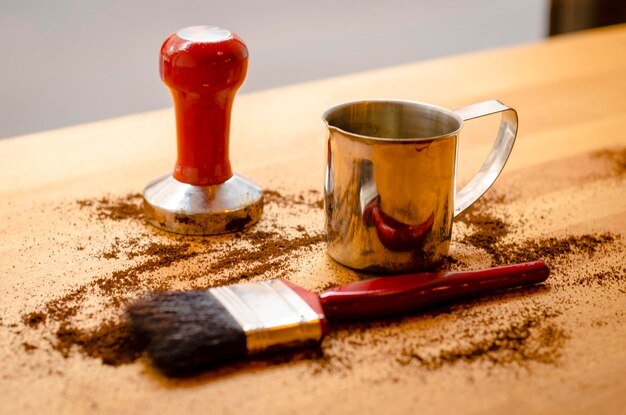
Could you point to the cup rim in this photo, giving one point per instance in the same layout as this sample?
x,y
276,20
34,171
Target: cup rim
x,y
444,110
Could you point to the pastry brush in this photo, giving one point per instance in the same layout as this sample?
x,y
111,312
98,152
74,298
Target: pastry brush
x,y
190,331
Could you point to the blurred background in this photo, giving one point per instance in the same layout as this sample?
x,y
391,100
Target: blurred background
x,y
67,61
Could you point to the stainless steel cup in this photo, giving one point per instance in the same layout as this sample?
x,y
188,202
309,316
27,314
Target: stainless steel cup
x,y
390,180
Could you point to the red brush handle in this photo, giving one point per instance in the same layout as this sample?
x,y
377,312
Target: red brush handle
x,y
203,66
378,297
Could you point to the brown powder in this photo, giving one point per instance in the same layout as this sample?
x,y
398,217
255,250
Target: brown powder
x,y
311,199
603,278
325,286
65,307
264,258
487,232
617,157
487,228
116,209
320,361
162,255
34,319
112,341
28,347
109,339
492,230
113,253
550,248
530,337
450,263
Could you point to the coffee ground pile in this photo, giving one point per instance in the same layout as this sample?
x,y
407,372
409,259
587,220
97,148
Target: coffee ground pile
x,y
112,341
269,250
617,157
115,209
529,337
533,338
489,230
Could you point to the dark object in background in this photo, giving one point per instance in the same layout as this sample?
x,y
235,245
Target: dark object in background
x,y
572,15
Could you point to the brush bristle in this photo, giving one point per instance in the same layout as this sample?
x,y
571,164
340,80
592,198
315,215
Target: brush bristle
x,y
187,331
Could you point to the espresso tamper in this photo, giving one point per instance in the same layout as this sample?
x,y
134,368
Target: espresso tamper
x,y
203,66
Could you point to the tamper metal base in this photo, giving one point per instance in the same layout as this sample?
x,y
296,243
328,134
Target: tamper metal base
x,y
202,210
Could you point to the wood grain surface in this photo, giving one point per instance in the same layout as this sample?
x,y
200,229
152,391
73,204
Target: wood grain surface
x,y
564,179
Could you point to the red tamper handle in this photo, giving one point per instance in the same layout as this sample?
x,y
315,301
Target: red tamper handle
x,y
203,66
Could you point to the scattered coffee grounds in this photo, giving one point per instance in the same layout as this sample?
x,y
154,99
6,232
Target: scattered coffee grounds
x,y
34,319
319,360
112,342
324,287
129,247
312,199
264,258
265,251
28,347
603,278
617,157
112,253
488,230
526,338
127,207
115,288
491,230
120,282
450,263
65,307
549,248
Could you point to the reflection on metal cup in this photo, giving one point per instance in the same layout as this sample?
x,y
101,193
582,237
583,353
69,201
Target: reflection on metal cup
x,y
390,180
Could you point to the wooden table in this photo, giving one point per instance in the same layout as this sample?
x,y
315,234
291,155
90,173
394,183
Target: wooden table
x,y
564,179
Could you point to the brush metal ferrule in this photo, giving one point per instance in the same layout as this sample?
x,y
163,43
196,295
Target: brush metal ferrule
x,y
271,314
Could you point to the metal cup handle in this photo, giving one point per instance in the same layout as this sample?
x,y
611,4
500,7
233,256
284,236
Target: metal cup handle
x,y
497,157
